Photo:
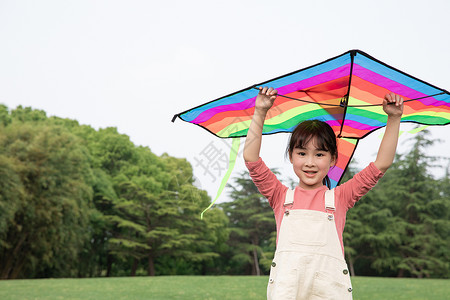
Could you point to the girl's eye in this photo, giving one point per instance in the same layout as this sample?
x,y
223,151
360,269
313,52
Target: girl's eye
x,y
301,153
320,154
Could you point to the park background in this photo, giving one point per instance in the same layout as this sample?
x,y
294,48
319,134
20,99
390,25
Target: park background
x,y
124,68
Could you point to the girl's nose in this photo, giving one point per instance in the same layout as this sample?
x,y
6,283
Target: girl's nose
x,y
309,161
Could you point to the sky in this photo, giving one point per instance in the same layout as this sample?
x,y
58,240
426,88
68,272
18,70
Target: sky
x,y
134,64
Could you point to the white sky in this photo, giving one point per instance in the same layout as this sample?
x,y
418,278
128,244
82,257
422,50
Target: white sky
x,y
134,64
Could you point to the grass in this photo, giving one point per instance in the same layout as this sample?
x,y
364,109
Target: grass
x,y
206,287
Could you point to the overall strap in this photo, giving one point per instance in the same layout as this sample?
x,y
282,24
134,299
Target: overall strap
x,y
329,200
289,197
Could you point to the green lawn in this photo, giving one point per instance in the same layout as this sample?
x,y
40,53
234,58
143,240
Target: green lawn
x,y
206,287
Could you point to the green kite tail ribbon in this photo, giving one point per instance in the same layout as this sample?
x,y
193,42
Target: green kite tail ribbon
x,y
233,155
412,131
418,129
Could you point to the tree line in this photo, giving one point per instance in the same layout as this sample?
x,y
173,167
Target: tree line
x,y
80,202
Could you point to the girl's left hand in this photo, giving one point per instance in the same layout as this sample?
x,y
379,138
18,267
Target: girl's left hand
x,y
396,108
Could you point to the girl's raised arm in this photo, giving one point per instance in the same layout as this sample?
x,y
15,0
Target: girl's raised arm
x,y
388,146
263,103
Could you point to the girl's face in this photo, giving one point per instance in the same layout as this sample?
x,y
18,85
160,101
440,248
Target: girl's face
x,y
311,165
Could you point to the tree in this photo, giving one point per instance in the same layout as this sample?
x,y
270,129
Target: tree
x,y
75,201
157,214
12,195
401,227
49,195
252,227
5,117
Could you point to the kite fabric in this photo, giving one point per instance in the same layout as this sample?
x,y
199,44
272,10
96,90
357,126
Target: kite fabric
x,y
345,91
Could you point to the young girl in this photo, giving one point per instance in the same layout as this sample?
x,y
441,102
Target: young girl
x,y
309,260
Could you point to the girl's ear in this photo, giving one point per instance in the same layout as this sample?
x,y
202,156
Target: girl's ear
x,y
333,162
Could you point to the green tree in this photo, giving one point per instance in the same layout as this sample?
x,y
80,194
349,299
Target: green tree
x,y
12,195
252,227
50,202
157,215
75,201
400,228
5,117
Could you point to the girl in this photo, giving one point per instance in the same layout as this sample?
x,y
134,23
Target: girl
x,y
309,260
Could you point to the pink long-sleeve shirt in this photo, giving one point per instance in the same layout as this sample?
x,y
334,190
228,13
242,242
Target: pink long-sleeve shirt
x,y
346,194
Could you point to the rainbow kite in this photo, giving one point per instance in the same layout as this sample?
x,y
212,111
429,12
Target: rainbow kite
x,y
345,91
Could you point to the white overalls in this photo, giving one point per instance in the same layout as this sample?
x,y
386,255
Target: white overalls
x,y
308,262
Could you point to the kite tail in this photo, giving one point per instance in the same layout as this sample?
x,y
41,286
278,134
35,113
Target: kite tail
x,y
418,129
412,131
232,161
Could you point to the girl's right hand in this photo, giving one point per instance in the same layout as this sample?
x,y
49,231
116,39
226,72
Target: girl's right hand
x,y
265,98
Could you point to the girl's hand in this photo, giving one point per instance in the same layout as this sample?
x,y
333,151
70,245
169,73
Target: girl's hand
x,y
396,108
265,98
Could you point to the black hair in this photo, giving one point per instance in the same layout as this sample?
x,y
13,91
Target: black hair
x,y
323,135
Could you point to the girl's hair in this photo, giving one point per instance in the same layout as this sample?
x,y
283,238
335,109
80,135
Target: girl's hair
x,y
314,129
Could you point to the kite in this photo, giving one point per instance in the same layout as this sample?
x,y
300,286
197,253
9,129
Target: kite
x,y
345,91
